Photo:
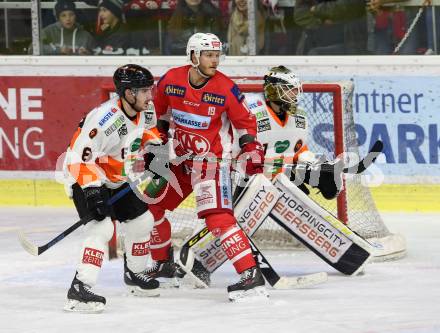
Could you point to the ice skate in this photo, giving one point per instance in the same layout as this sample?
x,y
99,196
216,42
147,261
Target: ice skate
x,y
251,286
140,284
167,272
81,299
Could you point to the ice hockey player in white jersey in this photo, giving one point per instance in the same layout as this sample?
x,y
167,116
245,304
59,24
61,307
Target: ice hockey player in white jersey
x,y
108,137
282,129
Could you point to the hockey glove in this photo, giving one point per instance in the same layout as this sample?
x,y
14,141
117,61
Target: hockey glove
x,y
253,154
327,177
96,198
163,126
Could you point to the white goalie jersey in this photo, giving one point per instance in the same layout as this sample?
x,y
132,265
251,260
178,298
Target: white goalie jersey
x,y
284,142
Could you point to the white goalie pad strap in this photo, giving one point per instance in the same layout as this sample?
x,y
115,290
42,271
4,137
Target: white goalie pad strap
x,y
312,223
255,204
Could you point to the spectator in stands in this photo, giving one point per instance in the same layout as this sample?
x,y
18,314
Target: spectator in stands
x,y
112,36
350,15
238,29
282,32
142,22
66,36
317,32
189,17
391,25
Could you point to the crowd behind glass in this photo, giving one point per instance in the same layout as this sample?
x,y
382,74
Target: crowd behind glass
x,y
283,27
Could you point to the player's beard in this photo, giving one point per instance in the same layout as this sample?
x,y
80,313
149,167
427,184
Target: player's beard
x,y
204,73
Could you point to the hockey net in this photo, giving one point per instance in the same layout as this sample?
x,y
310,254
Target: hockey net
x,y
331,132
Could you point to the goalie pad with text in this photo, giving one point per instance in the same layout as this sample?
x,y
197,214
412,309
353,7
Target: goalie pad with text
x,y
250,209
319,230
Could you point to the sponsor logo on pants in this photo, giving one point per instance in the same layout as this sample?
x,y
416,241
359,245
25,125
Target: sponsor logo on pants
x,y
140,249
93,257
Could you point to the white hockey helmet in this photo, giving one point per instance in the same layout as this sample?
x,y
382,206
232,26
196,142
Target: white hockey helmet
x,y
202,42
283,87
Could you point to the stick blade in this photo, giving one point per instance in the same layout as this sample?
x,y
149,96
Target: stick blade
x,y
27,244
303,281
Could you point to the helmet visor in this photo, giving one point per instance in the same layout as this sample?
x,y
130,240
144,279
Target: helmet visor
x,y
150,91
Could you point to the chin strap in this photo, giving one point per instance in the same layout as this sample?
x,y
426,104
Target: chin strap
x,y
201,73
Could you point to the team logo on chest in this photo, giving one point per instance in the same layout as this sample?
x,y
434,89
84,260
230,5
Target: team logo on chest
x,y
215,99
173,90
191,142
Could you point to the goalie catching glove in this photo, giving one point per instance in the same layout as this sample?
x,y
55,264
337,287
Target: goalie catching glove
x,y
326,176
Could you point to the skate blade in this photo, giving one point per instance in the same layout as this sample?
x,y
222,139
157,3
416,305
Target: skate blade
x,y
252,295
81,307
137,291
169,283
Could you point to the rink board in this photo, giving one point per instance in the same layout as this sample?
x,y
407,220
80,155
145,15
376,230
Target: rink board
x,y
388,197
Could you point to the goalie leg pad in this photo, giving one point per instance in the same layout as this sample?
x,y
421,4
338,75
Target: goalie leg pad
x,y
317,229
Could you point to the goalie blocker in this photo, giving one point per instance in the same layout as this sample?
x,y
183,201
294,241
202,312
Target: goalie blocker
x,y
299,215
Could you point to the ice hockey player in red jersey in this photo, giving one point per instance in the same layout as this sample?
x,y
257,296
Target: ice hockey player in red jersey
x,y
96,164
201,104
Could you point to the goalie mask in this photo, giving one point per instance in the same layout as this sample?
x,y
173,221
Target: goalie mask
x,y
282,87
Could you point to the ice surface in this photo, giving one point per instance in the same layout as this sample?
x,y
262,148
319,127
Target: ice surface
x,y
401,296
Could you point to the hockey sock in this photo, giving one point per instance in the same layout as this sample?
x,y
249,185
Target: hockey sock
x,y
233,240
161,239
137,241
93,249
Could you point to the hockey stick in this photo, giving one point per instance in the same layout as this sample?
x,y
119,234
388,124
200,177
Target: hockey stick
x,y
37,250
357,168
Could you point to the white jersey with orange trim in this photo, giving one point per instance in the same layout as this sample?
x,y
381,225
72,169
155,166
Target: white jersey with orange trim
x,y
104,140
284,142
